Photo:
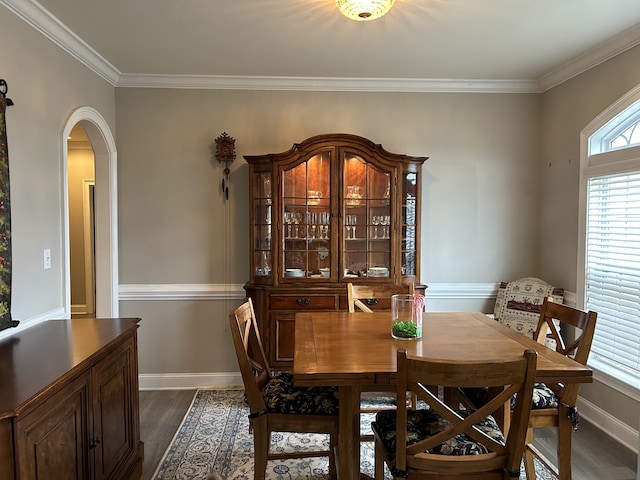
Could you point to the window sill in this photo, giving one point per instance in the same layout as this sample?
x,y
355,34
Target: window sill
x,y
615,378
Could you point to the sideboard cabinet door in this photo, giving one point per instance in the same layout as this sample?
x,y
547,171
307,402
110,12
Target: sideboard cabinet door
x,y
52,439
115,424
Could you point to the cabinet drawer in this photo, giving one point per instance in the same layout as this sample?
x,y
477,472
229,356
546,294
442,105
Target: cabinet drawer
x,y
306,302
382,303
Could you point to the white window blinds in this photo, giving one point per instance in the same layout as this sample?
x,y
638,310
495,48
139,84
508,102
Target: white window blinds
x,y
613,268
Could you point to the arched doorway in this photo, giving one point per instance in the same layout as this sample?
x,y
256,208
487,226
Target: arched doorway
x,y
106,235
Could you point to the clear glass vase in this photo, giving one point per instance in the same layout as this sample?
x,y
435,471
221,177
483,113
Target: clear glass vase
x,y
406,316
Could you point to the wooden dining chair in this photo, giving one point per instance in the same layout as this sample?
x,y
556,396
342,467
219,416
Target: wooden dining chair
x,y
438,442
554,404
370,297
366,298
275,404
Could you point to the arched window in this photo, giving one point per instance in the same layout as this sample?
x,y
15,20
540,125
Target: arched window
x,y
609,259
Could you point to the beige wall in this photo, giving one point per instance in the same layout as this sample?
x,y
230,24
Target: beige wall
x,y
483,149
46,85
567,110
175,227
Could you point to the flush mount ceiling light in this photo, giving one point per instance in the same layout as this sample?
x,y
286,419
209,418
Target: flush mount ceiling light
x,y
363,10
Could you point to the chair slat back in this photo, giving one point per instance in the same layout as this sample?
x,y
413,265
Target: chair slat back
x,y
358,295
252,359
560,321
418,375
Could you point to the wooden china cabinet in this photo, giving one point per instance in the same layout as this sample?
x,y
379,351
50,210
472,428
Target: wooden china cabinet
x,y
333,209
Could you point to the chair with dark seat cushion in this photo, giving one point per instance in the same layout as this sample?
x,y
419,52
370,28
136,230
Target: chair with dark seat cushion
x,y
554,404
518,304
438,442
364,298
275,403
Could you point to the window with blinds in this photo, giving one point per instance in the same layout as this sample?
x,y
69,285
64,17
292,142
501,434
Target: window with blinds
x,y
609,241
612,268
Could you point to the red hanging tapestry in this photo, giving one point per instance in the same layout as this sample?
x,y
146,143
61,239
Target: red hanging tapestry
x,y
5,222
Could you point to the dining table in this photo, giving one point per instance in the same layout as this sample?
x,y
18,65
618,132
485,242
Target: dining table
x,y
355,352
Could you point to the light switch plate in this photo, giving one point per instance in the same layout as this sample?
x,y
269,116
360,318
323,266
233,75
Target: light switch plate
x,y
46,258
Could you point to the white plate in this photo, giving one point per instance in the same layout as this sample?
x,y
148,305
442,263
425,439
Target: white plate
x,y
294,272
377,274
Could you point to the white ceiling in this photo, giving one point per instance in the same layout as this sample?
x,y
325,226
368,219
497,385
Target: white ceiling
x,y
445,40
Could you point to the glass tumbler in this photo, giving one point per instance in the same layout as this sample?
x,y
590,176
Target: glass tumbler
x,y
406,316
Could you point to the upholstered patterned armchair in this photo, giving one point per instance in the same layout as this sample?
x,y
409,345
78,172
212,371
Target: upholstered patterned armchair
x,y
518,303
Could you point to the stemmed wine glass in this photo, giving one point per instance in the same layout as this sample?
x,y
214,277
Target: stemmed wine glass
x,y
297,218
350,226
375,219
324,228
385,220
288,219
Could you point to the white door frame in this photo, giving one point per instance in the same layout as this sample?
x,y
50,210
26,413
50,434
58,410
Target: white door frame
x,y
88,229
106,218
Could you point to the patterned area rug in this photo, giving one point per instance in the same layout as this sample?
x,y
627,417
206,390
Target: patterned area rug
x,y
214,437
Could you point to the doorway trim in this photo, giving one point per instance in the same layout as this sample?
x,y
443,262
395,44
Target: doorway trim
x,y
88,228
106,210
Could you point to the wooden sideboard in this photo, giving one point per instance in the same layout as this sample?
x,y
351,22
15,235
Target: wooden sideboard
x,y
69,403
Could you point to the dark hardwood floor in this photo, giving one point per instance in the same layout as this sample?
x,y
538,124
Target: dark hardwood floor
x,y
596,456
161,413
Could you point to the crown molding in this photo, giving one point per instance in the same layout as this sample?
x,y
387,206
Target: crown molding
x,y
327,84
616,45
40,19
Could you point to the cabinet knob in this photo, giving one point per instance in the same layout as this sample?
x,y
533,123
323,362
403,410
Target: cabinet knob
x,y
371,301
302,301
95,442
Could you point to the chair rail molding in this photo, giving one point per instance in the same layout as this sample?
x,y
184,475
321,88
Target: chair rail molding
x,y
198,291
203,291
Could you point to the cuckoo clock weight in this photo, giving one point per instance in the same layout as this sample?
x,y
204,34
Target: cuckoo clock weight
x,y
225,152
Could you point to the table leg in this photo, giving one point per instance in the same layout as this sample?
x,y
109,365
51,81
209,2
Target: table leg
x,y
349,437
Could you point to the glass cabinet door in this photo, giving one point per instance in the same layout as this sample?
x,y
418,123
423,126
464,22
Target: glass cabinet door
x,y
306,219
409,231
367,219
262,224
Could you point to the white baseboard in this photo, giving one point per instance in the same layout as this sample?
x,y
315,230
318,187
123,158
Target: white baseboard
x,y
79,309
609,425
189,381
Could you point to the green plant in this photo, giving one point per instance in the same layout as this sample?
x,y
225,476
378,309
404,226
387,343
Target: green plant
x,y
406,329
